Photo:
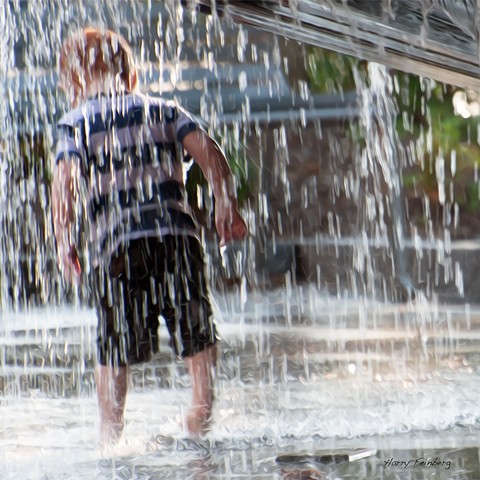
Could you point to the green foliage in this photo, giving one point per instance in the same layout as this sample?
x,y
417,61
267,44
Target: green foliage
x,y
426,120
243,168
329,71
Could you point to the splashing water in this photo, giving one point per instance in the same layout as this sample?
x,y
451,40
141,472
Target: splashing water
x,y
313,362
379,194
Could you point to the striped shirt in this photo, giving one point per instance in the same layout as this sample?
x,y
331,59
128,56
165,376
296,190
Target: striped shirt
x,y
129,150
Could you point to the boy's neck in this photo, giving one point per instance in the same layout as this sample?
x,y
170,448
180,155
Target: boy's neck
x,y
107,87
100,92
95,88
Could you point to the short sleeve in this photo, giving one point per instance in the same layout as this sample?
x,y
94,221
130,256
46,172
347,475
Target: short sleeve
x,y
68,143
184,124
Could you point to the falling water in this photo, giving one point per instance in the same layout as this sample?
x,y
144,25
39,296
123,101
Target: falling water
x,y
315,352
381,212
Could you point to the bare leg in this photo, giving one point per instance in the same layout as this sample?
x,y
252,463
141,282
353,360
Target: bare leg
x,y
202,370
112,392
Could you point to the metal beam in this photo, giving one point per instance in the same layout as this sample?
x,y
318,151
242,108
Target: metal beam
x,y
438,39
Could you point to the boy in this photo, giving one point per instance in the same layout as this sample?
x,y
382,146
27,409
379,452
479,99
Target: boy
x,y
119,154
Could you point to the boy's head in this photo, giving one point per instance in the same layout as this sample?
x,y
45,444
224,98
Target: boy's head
x,y
96,61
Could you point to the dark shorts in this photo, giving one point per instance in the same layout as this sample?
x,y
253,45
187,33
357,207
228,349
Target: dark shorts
x,y
146,279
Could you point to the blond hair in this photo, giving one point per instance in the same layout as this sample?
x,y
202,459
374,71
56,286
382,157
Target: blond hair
x,y
92,55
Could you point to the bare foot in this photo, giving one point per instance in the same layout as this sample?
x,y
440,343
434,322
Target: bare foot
x,y
198,420
110,433
202,371
112,385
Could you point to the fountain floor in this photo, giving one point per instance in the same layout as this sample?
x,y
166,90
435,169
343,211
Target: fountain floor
x,y
300,372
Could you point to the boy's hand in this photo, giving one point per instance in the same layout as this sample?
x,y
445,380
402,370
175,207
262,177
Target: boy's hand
x,y
70,264
230,224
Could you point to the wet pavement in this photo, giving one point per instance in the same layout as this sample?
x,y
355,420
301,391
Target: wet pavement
x,y
300,373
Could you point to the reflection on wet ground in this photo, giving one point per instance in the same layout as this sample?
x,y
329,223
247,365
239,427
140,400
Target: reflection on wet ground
x,y
300,373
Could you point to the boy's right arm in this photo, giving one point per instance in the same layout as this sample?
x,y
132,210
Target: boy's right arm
x,y
64,193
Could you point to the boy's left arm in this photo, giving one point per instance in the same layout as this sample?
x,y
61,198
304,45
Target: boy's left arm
x,y
64,194
214,165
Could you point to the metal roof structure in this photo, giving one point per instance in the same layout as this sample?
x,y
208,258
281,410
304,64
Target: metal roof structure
x,y
438,39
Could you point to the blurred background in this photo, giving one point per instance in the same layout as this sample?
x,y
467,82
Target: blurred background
x,y
352,130
327,204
